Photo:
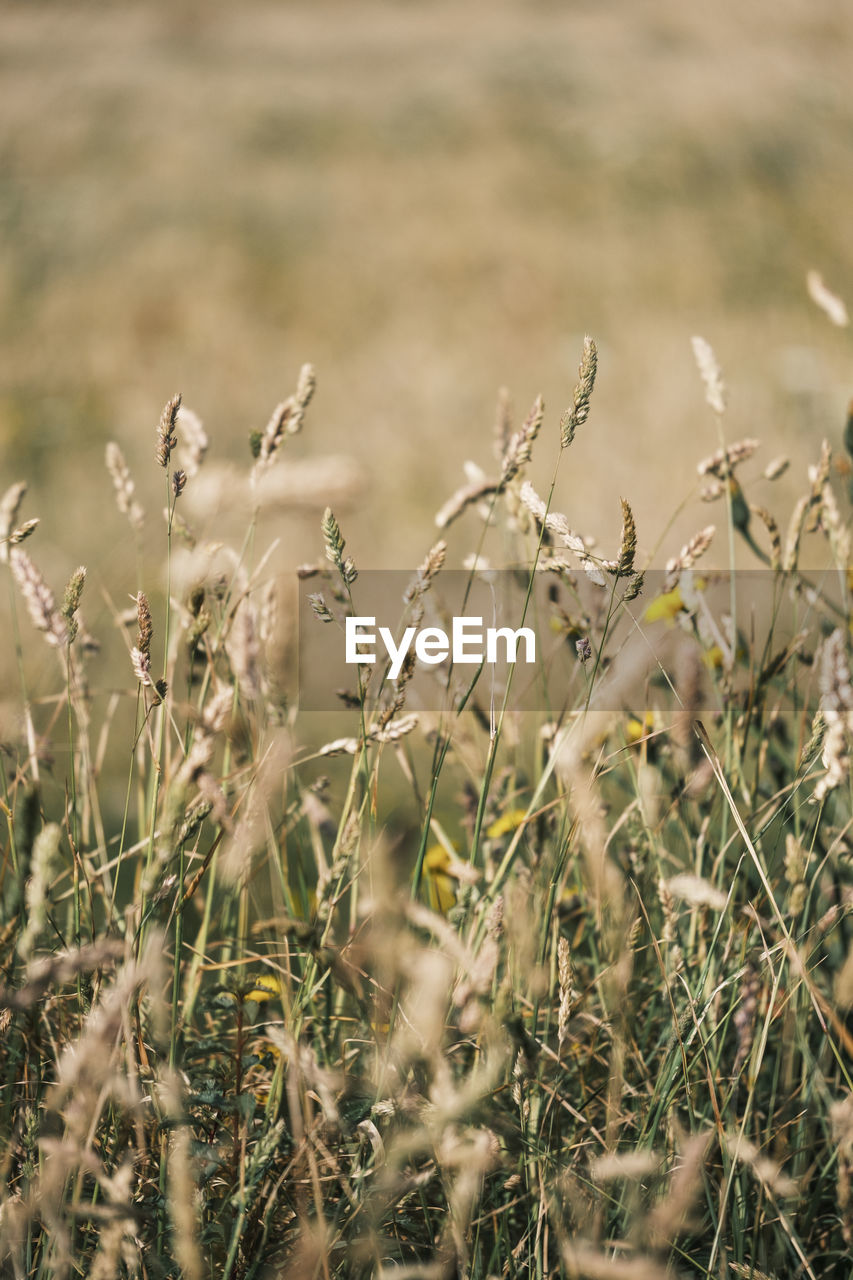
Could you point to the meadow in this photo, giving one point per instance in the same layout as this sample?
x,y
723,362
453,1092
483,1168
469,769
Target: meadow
x,y
444,978
468,992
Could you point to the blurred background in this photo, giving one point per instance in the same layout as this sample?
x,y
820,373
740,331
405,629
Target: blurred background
x,y
427,201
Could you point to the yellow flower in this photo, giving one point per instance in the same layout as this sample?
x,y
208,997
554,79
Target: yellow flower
x,y
264,987
666,606
441,886
505,823
259,1078
670,604
713,657
636,729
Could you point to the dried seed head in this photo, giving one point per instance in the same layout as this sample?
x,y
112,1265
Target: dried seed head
x,y
795,859
837,707
197,628
397,729
463,498
697,891
146,627
218,710
634,588
564,970
45,858
835,528
305,389
796,528
628,542
124,486
709,372
578,412
39,599
554,522
773,532
141,663
243,649
9,508
333,539
722,463
809,749
593,571
19,535
319,607
830,304
745,1017
426,572
688,555
71,602
520,446
349,573
166,438
776,468
275,430
179,482
818,478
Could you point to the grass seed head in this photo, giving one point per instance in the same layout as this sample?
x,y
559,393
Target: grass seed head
x,y
71,602
144,623
830,304
39,599
10,505
710,373
520,447
125,489
166,438
578,412
628,542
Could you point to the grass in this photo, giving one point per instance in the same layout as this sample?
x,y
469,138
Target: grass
x,y
458,993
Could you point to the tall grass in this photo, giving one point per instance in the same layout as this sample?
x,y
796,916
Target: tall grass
x,y
472,993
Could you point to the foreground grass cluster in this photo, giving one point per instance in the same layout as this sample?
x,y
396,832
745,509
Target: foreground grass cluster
x,y
468,993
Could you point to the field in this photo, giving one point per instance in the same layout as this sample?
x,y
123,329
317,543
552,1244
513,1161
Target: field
x,y
425,986
425,201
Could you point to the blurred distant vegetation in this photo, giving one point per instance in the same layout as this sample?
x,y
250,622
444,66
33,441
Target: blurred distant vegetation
x,y
426,203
